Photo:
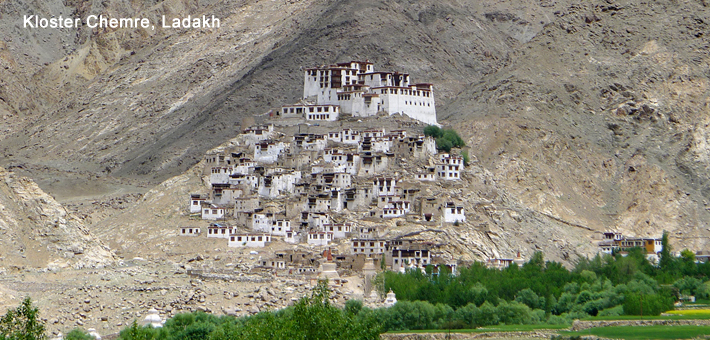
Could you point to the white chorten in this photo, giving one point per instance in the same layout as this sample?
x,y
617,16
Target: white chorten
x,y
153,319
391,299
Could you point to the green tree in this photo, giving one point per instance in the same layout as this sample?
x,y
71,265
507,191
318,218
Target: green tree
x,y
666,261
529,298
22,323
135,332
78,334
433,131
444,144
454,138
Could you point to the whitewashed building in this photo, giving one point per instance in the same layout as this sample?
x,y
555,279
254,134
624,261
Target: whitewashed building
x,y
196,201
311,112
189,231
384,186
261,222
362,92
272,186
280,227
213,212
453,213
268,151
450,167
369,247
249,240
396,209
309,142
339,230
341,180
216,230
220,174
258,133
320,238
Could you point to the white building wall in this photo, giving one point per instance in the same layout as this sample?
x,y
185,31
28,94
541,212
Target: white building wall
x,y
260,222
224,232
385,186
425,177
339,230
220,175
317,221
270,154
189,231
249,240
320,238
419,107
280,227
453,214
196,205
212,213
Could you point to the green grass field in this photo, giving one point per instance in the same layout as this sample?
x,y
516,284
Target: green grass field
x,y
645,332
677,315
499,328
694,313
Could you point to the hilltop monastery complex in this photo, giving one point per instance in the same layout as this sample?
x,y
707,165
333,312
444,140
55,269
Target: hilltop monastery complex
x,y
356,89
343,196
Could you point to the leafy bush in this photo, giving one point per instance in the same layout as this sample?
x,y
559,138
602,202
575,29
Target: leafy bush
x,y
433,131
647,304
529,298
688,285
613,311
78,334
445,139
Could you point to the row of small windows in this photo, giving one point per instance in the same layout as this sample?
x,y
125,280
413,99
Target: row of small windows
x,y
247,238
362,250
322,116
315,73
310,109
406,92
362,244
413,103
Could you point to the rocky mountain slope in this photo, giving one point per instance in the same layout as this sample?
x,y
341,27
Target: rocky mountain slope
x,y
38,232
602,118
590,114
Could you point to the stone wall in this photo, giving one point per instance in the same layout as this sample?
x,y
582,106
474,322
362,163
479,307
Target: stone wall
x,y
579,325
544,334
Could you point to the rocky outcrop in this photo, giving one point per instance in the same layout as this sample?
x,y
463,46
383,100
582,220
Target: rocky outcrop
x,y
38,232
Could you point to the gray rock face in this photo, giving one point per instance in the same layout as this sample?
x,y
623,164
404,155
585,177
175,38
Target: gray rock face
x,y
38,232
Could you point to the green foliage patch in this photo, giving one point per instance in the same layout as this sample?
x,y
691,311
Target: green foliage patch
x,y
312,317
645,332
446,139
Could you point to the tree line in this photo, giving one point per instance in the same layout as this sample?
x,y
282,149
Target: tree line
x,y
537,292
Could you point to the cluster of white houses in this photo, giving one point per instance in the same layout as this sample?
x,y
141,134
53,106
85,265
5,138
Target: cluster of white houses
x,y
315,188
355,88
295,189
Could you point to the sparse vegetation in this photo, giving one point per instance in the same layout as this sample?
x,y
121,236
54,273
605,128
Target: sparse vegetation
x,y
446,139
22,323
78,334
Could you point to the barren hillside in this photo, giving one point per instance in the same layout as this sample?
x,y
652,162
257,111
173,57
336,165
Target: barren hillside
x,y
590,113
